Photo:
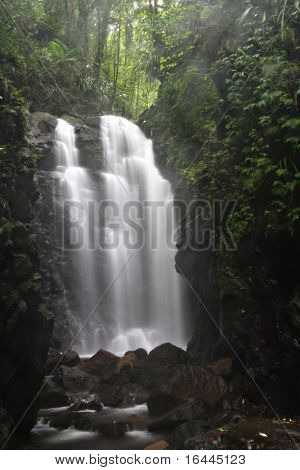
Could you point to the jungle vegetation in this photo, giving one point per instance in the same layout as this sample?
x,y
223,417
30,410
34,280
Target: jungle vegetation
x,y
217,82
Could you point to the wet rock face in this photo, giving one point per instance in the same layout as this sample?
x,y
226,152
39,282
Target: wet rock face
x,y
52,395
159,445
199,409
89,422
57,358
83,405
26,324
74,380
42,128
158,368
222,367
179,415
87,139
110,395
60,283
168,354
260,319
194,382
160,403
186,431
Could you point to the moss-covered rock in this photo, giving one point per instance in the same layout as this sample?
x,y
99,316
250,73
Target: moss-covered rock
x,y
25,325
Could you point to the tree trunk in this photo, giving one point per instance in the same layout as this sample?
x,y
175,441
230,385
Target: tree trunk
x,y
117,64
84,10
104,8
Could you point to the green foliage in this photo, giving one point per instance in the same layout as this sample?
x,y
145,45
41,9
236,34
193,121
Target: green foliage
x,y
79,57
232,105
19,284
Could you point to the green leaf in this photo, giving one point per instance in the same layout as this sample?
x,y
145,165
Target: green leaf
x,y
244,16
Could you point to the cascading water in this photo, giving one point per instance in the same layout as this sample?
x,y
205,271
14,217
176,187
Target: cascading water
x,y
128,293
75,185
146,299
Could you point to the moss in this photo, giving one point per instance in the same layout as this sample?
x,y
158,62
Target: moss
x,y
44,312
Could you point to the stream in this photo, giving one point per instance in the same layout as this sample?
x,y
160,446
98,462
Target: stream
x,y
136,437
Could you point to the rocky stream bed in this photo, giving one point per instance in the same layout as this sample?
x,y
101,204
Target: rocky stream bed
x,y
161,400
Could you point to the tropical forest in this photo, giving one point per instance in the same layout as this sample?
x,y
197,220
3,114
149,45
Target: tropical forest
x,y
150,225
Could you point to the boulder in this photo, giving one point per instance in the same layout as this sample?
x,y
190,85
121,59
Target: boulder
x,y
110,395
152,375
222,367
140,353
136,395
92,121
160,403
102,365
74,380
57,358
186,431
179,415
42,123
215,439
62,420
168,354
123,378
197,383
160,445
94,422
127,361
114,429
52,395
83,405
202,441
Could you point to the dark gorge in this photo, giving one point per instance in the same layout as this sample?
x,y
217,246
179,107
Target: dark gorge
x,y
149,225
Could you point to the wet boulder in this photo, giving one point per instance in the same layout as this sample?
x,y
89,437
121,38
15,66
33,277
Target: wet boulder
x,y
186,431
160,403
62,420
140,353
152,375
222,367
136,395
57,358
179,415
102,365
95,423
74,380
197,383
84,405
114,429
168,354
160,445
156,371
126,362
110,395
52,395
42,127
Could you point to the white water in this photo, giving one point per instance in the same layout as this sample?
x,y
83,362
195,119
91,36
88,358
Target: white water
x,y
143,302
147,296
77,188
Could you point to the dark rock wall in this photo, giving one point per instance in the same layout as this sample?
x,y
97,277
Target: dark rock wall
x,y
25,322
251,297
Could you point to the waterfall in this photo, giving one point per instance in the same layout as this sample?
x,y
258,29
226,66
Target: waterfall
x,y
126,293
147,298
74,195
